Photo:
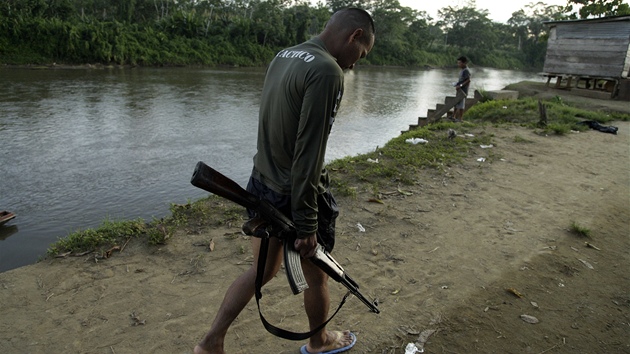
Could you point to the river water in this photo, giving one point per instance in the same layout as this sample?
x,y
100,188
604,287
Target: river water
x,y
83,145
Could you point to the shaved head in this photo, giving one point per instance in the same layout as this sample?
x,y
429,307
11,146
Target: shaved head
x,y
345,21
348,36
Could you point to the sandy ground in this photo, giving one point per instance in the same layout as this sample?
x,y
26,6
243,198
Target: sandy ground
x,y
439,258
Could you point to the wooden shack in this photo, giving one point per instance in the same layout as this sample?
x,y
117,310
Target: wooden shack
x,y
591,54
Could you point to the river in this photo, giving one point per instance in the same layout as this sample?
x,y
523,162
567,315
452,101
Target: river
x,y
83,145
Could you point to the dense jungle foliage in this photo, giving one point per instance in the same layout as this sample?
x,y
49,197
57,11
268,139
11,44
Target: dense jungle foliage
x,y
250,32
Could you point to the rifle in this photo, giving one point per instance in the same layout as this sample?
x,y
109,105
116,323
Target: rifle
x,y
272,222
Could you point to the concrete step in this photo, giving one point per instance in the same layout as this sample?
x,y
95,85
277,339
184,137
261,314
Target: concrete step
x,y
422,121
451,100
446,108
442,108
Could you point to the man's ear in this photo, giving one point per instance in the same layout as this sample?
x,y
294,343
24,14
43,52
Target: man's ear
x,y
357,35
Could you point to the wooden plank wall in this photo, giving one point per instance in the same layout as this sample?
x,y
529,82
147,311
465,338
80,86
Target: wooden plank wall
x,y
590,55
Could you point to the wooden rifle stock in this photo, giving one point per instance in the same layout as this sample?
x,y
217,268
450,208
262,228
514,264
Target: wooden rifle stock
x,y
208,179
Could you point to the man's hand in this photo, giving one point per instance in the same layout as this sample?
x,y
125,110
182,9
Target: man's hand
x,y
306,246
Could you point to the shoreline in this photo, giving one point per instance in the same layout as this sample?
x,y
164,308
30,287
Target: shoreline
x,y
438,257
527,89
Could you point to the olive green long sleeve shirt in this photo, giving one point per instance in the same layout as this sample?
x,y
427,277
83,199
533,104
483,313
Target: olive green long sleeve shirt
x,y
301,94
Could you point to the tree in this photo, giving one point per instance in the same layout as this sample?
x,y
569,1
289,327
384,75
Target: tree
x,y
266,18
528,23
467,26
394,27
597,8
335,5
421,33
529,32
248,32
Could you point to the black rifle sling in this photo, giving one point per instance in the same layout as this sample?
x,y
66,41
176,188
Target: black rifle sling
x,y
279,332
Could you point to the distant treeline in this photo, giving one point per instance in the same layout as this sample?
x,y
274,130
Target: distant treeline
x,y
250,32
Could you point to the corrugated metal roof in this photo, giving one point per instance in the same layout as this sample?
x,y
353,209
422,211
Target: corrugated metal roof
x,y
592,20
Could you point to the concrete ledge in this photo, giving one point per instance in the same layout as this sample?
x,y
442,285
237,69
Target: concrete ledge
x,y
503,94
600,95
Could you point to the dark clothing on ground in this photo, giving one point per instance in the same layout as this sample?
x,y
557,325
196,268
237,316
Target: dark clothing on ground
x,y
602,128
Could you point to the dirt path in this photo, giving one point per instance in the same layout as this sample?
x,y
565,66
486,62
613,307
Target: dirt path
x,y
439,259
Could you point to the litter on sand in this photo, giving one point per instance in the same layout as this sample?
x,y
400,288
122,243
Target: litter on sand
x,y
481,159
592,246
418,346
529,319
486,146
360,227
412,349
514,292
422,339
586,264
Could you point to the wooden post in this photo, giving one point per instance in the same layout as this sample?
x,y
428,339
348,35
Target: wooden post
x,y
542,109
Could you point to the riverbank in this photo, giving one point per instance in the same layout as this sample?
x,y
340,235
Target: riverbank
x,y
539,90
439,255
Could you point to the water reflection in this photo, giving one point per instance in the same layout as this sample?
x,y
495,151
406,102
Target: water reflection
x,y
7,230
86,145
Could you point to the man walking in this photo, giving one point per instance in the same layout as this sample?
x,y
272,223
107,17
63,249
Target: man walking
x,y
301,95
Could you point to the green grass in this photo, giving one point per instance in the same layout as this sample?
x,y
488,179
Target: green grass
x,y
557,128
580,230
520,139
561,118
210,211
399,162
107,235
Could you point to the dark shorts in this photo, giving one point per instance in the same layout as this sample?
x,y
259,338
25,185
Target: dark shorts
x,y
326,205
461,104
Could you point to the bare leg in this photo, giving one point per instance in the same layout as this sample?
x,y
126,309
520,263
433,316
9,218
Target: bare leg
x,y
459,113
316,304
237,297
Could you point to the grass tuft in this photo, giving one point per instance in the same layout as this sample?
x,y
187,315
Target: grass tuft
x,y
110,233
580,230
210,211
520,139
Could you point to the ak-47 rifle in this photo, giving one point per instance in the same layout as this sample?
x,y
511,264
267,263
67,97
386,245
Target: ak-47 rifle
x,y
272,222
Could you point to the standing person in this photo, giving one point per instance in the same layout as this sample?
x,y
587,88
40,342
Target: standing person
x,y
462,84
301,94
